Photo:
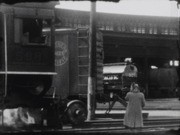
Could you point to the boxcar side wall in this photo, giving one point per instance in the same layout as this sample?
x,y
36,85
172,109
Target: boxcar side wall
x,y
61,80
72,63
71,80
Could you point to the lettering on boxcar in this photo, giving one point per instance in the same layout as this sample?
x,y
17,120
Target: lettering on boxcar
x,y
61,53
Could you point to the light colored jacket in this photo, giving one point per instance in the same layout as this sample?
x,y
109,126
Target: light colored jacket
x,y
133,116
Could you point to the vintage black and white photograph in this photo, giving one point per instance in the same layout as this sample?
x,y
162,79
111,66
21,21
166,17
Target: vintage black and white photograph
x,y
90,67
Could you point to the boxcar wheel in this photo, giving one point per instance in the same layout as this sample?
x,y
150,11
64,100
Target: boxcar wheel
x,y
76,112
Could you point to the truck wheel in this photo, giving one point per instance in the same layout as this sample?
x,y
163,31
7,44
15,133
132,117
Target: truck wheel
x,y
76,112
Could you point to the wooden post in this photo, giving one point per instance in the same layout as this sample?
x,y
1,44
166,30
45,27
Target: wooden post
x,y
92,63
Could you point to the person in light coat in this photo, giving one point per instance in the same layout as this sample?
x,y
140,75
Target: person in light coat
x,y
136,101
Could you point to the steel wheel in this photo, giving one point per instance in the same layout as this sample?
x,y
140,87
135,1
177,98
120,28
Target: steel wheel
x,y
76,112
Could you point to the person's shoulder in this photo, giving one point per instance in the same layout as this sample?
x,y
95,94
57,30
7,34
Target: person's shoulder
x,y
142,94
129,93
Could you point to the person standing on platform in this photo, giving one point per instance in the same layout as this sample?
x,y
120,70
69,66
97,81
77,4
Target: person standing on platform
x,y
136,101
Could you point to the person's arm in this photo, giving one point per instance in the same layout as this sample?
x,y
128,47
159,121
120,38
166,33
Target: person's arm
x,y
143,100
127,96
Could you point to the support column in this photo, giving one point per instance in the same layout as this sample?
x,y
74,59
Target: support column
x,y
92,63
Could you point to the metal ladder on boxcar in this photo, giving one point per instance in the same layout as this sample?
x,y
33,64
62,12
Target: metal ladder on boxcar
x,y
83,59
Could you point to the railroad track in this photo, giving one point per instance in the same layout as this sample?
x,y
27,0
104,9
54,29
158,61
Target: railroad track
x,y
117,123
158,126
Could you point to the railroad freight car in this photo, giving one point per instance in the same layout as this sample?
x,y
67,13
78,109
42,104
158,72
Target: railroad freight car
x,y
43,67
72,67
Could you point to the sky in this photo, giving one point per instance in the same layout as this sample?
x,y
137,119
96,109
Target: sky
x,y
134,7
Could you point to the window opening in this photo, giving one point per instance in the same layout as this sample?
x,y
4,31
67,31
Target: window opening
x,y
31,30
